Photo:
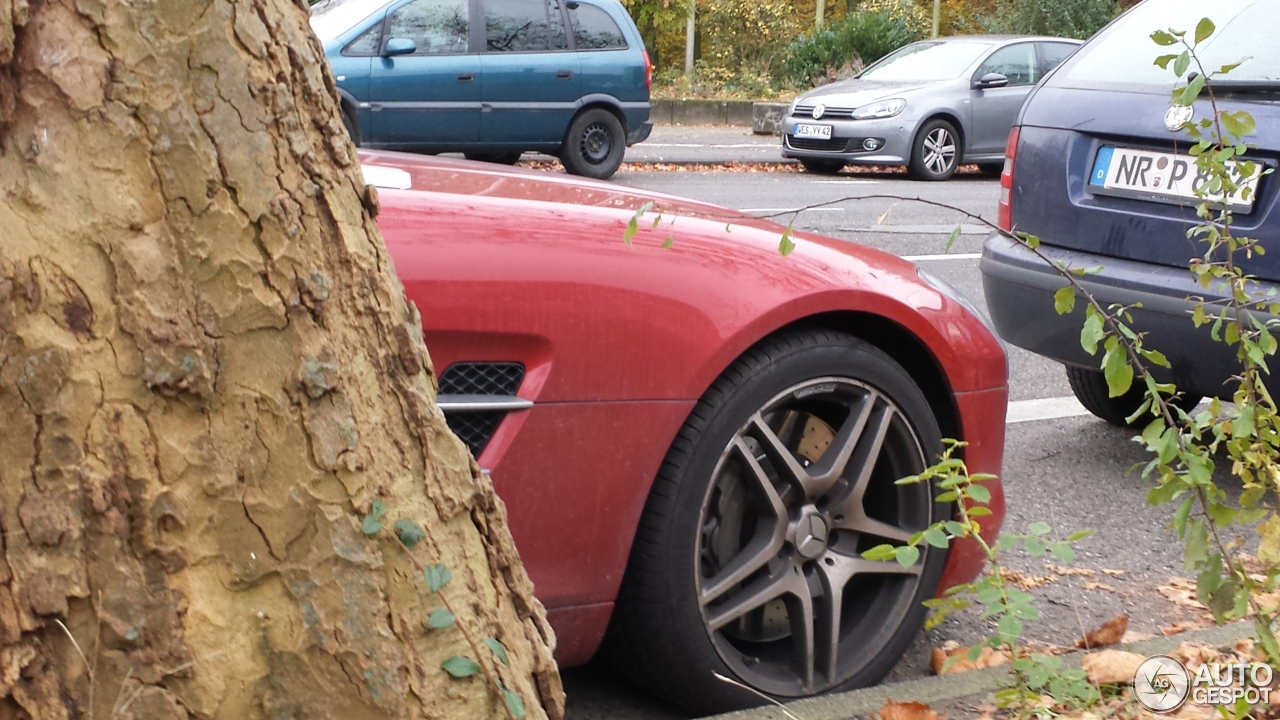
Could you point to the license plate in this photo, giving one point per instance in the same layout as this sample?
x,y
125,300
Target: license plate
x,y
1161,177
814,131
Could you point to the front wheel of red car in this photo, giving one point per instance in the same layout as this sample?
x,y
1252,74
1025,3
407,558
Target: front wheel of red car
x,y
594,145
747,561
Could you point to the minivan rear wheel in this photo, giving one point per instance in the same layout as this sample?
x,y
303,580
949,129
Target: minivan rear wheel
x,y
1090,388
935,152
594,145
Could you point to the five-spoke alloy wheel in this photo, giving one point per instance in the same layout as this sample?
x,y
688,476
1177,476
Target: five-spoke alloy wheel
x,y
936,151
748,559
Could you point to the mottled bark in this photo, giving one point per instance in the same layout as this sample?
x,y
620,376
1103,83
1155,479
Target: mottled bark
x,y
208,373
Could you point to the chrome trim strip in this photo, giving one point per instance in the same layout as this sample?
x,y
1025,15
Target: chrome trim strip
x,y
481,403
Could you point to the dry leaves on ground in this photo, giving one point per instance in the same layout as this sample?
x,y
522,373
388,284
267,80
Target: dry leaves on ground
x,y
908,711
987,658
1108,667
1111,633
1182,592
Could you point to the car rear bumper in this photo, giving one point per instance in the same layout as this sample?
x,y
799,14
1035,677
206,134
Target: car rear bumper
x,y
892,136
1019,288
639,133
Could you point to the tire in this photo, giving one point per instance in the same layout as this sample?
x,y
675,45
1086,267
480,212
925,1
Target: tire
x,y
594,145
349,123
709,510
508,158
822,167
1090,388
935,154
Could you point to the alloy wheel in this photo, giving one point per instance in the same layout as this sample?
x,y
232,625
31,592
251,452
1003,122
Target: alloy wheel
x,y
939,150
802,489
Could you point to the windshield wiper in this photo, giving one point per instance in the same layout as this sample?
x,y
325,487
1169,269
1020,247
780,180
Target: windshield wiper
x,y
1239,86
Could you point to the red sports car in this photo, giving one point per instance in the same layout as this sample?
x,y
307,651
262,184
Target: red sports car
x,y
695,435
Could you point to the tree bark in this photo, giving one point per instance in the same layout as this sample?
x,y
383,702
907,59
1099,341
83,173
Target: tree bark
x,y
208,374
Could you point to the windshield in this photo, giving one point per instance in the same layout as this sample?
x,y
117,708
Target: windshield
x,y
936,60
331,18
1123,55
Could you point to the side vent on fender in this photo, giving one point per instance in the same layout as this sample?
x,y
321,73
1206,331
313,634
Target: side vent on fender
x,y
476,396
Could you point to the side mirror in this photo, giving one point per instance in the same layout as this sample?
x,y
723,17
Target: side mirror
x,y
991,80
399,46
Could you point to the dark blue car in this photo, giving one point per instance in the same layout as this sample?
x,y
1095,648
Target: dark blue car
x,y
1098,168
491,78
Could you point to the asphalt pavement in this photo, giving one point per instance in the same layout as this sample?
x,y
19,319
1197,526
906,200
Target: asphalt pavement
x,y
686,144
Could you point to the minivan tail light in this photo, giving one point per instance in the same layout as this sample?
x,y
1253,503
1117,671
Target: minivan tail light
x,y
648,71
1004,215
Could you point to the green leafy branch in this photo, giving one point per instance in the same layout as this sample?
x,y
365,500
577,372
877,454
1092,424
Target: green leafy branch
x,y
407,535
1006,605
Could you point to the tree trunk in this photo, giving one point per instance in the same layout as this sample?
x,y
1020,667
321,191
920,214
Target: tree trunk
x,y
208,375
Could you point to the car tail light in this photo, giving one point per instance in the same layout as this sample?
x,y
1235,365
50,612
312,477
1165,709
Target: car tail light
x,y
1004,216
648,71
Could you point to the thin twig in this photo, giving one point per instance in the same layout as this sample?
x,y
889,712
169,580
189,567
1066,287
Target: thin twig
x,y
76,645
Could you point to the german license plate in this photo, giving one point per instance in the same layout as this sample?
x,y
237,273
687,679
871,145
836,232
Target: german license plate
x,y
814,131
1162,177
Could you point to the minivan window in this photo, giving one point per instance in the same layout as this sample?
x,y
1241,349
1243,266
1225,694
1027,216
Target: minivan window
x,y
1016,62
437,27
1122,56
926,61
524,26
593,29
367,44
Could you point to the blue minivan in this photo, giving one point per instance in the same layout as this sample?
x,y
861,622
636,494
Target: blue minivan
x,y
564,77
1097,167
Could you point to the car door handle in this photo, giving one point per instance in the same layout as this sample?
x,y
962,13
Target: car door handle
x,y
466,77
564,74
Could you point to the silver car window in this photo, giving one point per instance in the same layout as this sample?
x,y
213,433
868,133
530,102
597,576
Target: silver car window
x,y
1016,62
926,61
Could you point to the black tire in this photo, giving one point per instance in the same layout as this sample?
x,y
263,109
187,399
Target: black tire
x,y
594,145
822,167
353,130
703,500
1090,388
508,158
935,154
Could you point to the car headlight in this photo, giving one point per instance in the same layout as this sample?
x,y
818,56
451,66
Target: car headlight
x,y
881,109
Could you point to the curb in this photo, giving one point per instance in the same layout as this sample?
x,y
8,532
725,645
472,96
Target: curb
x,y
763,117
865,702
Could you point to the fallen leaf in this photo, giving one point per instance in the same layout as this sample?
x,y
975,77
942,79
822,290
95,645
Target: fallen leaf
x,y
908,711
988,658
1098,586
1185,625
1193,655
1131,637
1195,711
1023,581
1111,666
1113,573
1182,592
1110,633
1080,572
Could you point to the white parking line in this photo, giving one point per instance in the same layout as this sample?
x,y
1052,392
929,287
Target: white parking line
x,y
948,256
1044,409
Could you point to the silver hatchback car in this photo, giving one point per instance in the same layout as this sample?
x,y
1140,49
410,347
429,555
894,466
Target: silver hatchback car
x,y
930,105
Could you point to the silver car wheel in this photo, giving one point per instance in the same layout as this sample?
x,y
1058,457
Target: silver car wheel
x,y
939,150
